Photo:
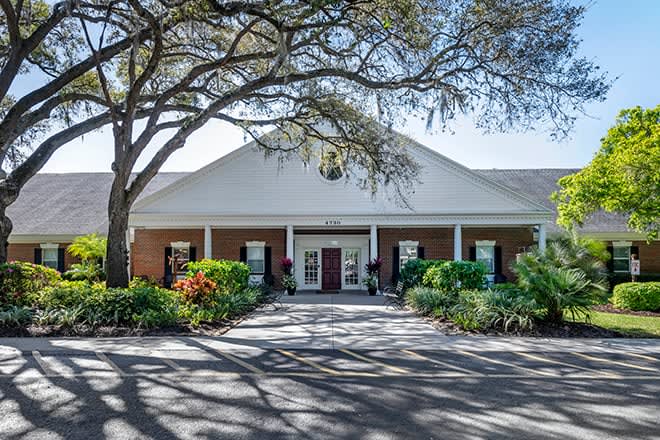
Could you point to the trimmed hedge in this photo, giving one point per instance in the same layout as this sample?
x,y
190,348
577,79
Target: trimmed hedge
x,y
412,273
229,276
637,296
451,275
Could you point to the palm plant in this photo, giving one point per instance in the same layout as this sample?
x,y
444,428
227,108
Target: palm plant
x,y
88,248
564,277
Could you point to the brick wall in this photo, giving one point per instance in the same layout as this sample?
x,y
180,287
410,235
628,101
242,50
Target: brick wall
x,y
649,256
148,249
148,255
227,244
25,252
512,241
438,243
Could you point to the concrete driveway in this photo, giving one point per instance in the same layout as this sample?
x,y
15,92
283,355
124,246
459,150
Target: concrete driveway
x,y
333,321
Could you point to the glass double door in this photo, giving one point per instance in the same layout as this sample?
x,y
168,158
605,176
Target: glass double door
x,y
331,268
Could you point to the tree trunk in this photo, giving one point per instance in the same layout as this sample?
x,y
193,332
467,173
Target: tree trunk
x,y
8,195
117,259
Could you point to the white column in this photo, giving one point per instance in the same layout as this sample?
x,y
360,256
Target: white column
x,y
373,242
208,242
458,243
542,237
289,241
128,251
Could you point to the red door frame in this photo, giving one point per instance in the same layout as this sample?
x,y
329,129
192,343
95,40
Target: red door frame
x,y
331,269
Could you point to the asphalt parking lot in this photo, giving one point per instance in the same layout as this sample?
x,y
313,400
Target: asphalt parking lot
x,y
207,361
202,392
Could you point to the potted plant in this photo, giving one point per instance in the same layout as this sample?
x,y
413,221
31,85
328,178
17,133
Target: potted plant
x,y
289,283
371,279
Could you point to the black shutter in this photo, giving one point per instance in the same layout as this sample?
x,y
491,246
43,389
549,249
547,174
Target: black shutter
x,y
60,260
268,263
395,264
167,280
634,250
193,254
37,255
420,252
243,255
610,262
473,253
498,260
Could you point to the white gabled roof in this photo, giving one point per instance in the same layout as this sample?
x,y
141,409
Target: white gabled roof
x,y
245,183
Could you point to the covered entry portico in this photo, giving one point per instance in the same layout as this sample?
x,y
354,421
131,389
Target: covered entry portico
x,y
330,259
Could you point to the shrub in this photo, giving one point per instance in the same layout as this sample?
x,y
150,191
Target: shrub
x,y
225,307
15,316
143,281
73,302
426,301
85,272
413,271
501,309
451,275
563,277
20,282
196,290
229,276
637,296
66,294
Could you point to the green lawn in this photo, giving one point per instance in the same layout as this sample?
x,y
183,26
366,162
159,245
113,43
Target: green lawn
x,y
641,326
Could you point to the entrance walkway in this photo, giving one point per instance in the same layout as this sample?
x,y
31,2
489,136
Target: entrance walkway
x,y
318,321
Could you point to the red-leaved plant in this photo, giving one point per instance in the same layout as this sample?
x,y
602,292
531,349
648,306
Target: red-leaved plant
x,y
373,266
196,290
286,264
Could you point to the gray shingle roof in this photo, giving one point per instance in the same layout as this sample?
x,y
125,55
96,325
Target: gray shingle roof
x,y
69,204
76,203
538,184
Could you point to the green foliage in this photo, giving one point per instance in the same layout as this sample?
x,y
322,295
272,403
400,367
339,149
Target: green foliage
x,y
494,309
564,277
452,275
88,248
476,309
224,307
426,301
624,176
229,276
15,316
73,302
66,294
86,271
412,273
139,282
637,296
289,282
20,282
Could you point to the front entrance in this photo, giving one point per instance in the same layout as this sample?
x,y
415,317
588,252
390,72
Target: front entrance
x,y
331,268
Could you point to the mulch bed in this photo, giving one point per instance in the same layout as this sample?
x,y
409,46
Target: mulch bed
x,y
609,308
216,328
541,330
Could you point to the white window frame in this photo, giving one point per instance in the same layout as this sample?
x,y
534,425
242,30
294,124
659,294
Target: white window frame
x,y
490,245
404,258
175,246
621,245
50,247
256,245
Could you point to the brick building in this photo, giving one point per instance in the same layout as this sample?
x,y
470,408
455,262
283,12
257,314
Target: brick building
x,y
245,207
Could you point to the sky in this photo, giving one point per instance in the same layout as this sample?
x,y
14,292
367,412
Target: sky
x,y
623,38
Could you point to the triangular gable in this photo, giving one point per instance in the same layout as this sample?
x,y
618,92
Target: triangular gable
x,y
244,182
